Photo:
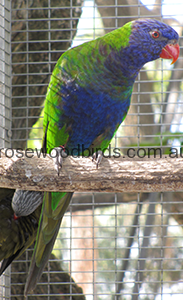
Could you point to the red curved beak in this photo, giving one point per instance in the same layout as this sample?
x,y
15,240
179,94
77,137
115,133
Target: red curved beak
x,y
171,51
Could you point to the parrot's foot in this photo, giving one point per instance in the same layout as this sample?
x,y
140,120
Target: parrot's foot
x,y
97,157
58,154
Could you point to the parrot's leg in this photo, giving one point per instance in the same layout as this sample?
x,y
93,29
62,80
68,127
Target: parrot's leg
x,y
58,154
97,157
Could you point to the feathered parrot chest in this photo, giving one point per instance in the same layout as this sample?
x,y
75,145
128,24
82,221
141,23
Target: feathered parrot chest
x,y
89,112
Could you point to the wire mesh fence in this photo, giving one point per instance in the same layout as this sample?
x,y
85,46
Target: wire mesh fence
x,y
110,246
5,74
5,102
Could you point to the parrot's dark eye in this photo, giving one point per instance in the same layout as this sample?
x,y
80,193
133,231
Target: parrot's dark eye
x,y
155,34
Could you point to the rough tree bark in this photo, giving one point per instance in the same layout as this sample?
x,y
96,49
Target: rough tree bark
x,y
80,174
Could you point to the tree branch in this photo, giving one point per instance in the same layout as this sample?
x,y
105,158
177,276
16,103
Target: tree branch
x,y
80,174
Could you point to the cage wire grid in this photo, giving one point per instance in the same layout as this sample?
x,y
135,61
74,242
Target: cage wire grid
x,y
110,246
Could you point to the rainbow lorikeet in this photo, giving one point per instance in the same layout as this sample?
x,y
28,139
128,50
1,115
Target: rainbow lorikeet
x,y
88,97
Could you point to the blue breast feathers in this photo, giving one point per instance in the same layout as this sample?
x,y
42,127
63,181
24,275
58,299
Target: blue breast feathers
x,y
88,114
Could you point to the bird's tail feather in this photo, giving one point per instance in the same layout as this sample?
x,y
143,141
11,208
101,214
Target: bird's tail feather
x,y
47,232
34,271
